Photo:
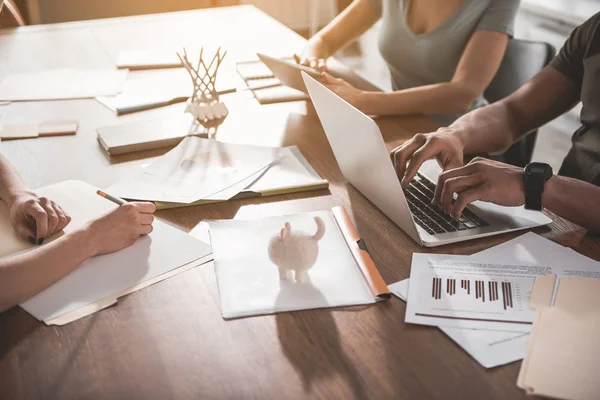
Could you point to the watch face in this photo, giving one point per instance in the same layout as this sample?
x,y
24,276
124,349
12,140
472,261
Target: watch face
x,y
537,168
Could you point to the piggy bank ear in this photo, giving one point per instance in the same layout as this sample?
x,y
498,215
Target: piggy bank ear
x,y
283,233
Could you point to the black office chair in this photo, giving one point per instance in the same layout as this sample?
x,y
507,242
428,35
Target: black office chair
x,y
522,60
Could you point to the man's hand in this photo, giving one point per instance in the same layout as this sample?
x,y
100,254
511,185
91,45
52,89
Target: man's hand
x,y
36,218
481,179
445,147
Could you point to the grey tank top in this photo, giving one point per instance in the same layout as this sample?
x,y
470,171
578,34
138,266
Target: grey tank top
x,y
432,57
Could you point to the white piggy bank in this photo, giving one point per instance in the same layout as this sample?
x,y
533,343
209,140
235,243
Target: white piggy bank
x,y
295,252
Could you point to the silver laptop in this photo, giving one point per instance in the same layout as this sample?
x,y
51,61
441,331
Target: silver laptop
x,y
365,162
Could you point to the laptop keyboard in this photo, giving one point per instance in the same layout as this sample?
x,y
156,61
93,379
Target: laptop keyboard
x,y
432,218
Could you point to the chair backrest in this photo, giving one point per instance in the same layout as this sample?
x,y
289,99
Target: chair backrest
x,y
522,61
10,17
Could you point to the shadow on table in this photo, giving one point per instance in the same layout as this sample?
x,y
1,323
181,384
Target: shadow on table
x,y
311,342
15,327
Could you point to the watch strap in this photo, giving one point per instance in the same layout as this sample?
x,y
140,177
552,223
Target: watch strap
x,y
534,184
533,199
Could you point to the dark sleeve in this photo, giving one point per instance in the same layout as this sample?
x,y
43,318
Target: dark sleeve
x,y
569,60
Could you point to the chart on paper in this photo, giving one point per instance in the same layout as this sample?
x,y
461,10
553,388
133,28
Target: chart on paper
x,y
482,290
471,291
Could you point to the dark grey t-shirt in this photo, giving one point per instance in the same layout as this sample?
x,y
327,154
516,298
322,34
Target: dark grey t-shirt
x,y
579,60
432,57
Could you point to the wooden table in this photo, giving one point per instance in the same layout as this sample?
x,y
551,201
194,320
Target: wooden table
x,y
169,340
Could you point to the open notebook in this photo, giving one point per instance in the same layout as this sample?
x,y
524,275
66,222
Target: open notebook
x,y
291,173
101,280
293,262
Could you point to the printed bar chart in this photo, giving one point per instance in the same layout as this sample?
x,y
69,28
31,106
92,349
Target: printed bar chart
x,y
484,290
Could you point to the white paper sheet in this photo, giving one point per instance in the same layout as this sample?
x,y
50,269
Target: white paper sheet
x,y
113,298
146,89
469,307
194,170
148,58
165,249
249,282
61,84
288,171
494,348
488,348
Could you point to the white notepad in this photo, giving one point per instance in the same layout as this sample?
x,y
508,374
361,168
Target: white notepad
x,y
250,282
146,134
101,277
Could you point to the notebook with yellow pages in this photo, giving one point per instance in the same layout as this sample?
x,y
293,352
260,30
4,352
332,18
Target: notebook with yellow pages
x,y
291,173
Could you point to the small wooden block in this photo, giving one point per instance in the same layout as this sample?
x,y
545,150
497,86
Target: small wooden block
x,y
58,128
19,131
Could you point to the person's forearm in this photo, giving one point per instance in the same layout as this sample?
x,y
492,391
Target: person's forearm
x,y
494,128
489,129
355,20
574,200
442,98
11,184
26,274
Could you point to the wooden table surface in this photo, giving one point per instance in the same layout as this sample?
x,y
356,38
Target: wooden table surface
x,y
169,340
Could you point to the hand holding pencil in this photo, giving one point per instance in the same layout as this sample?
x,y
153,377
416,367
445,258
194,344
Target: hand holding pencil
x,y
122,227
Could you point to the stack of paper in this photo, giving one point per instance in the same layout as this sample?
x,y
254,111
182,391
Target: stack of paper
x,y
61,84
197,169
482,301
266,88
101,280
562,353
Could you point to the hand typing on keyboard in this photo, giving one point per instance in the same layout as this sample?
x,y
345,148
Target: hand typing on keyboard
x,y
420,194
481,179
446,148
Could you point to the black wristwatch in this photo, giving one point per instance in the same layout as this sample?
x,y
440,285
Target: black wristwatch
x,y
536,175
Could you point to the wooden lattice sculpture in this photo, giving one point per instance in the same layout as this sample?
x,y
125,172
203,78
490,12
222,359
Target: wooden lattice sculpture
x,y
205,104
